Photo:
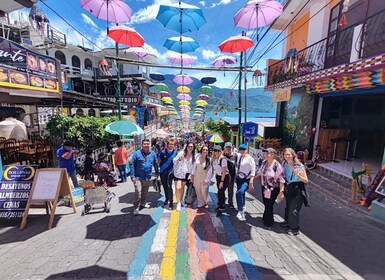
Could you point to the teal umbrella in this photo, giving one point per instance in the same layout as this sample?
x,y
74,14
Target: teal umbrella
x,y
124,128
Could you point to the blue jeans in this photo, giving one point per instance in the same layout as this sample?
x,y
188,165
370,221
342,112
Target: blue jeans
x,y
122,172
242,186
74,178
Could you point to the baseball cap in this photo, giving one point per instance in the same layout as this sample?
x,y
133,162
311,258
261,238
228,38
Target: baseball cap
x,y
269,150
217,147
242,146
228,144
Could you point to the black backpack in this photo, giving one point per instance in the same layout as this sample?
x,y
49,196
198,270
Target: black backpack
x,y
230,164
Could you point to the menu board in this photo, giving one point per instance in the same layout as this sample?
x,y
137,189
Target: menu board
x,y
26,69
15,188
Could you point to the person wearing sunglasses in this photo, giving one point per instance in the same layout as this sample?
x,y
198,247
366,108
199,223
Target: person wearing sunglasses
x,y
202,165
184,163
244,179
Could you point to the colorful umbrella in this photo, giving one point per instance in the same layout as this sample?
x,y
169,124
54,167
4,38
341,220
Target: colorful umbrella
x,y
167,99
235,44
183,58
183,96
203,97
164,93
126,36
206,89
181,44
157,76
182,79
124,128
216,138
161,86
181,17
208,80
137,51
258,13
183,89
161,133
201,102
169,104
184,107
111,10
184,102
224,60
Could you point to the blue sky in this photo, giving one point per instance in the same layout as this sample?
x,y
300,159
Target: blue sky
x,y
218,13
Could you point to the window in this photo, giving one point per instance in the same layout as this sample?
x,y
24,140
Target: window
x,y
60,55
91,113
88,64
76,64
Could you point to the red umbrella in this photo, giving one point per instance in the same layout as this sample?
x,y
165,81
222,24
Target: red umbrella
x,y
126,36
236,44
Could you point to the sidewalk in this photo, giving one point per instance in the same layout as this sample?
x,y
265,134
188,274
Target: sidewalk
x,y
164,244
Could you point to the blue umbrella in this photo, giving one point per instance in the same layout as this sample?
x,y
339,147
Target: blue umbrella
x,y
157,76
181,44
181,17
208,80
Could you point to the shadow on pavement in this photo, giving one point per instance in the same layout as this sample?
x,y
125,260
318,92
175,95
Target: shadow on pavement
x,y
92,272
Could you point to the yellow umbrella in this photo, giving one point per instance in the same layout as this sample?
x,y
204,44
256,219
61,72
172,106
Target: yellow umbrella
x,y
183,89
184,102
167,99
201,102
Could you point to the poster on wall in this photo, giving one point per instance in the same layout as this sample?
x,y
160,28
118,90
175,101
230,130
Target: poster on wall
x,y
282,94
25,69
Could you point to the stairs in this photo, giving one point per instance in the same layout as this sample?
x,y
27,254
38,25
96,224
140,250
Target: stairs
x,y
334,186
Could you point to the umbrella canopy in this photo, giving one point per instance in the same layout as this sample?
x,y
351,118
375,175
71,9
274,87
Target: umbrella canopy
x,y
216,138
181,17
181,44
183,58
157,76
184,107
184,102
224,60
126,35
182,79
124,128
258,13
164,93
170,107
161,86
137,51
236,44
169,104
203,97
201,102
110,10
167,99
208,80
183,96
160,132
183,89
206,89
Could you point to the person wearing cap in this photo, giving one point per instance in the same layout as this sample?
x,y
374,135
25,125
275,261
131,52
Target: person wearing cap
x,y
271,174
232,158
244,179
65,154
219,166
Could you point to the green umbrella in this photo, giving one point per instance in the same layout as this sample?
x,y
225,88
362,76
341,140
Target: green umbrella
x,y
161,86
206,89
124,128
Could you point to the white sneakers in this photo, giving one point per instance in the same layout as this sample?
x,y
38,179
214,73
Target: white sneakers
x,y
241,216
178,207
136,212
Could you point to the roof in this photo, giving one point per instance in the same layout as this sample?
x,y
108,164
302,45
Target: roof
x,y
259,121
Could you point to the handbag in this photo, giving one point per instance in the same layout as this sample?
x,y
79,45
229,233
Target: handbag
x,y
157,184
190,194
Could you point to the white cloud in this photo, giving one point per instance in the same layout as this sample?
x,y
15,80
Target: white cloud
x,y
209,54
222,2
88,20
19,16
203,3
149,13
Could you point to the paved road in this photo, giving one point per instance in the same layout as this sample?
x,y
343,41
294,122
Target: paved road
x,y
335,243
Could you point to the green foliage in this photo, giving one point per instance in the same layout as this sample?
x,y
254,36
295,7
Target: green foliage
x,y
84,131
218,127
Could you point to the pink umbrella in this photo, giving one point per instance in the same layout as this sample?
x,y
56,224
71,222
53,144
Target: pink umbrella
x,y
137,51
164,93
183,96
224,60
126,36
185,107
182,79
110,10
177,58
258,13
203,97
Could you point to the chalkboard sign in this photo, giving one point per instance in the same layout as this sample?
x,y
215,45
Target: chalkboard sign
x,y
46,184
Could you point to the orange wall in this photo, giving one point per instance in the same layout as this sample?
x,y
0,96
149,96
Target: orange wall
x,y
333,3
298,38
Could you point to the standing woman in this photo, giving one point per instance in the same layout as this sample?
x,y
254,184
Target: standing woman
x,y
296,178
272,181
199,173
222,176
244,179
184,163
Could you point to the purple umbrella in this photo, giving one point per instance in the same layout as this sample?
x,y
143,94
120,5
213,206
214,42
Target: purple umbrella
x,y
186,107
183,96
224,60
111,10
184,58
258,13
182,79
137,51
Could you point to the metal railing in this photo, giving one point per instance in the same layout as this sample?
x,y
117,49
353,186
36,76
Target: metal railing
x,y
362,40
56,36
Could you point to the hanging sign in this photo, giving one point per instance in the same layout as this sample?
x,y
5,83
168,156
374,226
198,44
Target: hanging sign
x,y
282,94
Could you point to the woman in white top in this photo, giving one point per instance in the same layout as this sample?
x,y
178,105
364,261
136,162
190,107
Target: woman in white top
x,y
184,163
219,165
244,179
202,165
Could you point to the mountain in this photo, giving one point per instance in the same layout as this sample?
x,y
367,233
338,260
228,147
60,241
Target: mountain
x,y
222,99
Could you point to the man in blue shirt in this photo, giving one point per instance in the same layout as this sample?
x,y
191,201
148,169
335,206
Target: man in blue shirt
x,y
65,155
166,168
141,165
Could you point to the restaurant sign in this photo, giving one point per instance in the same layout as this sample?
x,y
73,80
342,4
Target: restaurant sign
x,y
126,99
15,187
151,100
25,69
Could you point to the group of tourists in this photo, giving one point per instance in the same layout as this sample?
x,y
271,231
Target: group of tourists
x,y
197,168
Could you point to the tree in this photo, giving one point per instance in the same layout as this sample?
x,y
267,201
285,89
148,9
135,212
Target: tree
x,y
218,127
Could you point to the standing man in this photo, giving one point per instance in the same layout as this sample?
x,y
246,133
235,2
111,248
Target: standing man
x,y
232,158
166,167
65,155
141,165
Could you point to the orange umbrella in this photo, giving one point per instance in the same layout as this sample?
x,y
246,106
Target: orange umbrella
x,y
236,44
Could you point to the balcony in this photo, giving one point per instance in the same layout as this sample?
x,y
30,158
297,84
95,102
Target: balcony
x,y
360,41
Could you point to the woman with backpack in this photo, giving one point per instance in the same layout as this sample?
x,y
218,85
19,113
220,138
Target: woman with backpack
x,y
271,173
244,179
184,162
296,178
199,173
